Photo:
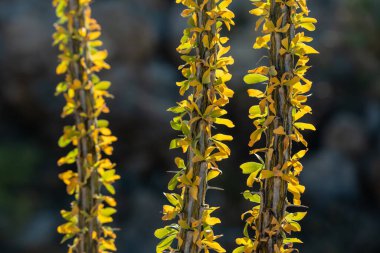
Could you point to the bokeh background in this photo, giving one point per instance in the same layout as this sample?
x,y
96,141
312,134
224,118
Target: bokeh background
x,y
342,170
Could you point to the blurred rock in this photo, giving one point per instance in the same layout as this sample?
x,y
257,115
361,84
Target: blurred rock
x,y
329,177
131,38
37,232
346,134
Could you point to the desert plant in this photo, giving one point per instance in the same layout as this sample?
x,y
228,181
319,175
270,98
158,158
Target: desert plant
x,y
77,36
282,104
205,72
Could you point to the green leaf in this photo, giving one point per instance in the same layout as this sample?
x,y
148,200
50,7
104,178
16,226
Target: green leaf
x,y
176,109
70,158
161,232
239,250
255,78
165,244
63,142
174,181
206,77
103,85
296,216
251,167
61,87
255,198
174,144
164,232
67,237
103,123
173,200
245,230
175,125
292,240
255,112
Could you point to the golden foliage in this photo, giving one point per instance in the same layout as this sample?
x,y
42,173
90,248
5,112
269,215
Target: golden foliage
x,y
77,36
205,71
281,106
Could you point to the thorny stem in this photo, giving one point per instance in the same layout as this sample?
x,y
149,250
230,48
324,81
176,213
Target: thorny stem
x,y
88,152
274,191
200,132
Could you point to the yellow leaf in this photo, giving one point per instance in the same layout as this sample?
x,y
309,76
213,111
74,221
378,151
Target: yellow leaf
x,y
304,126
307,49
108,244
212,174
297,216
62,67
262,42
257,12
255,112
296,190
255,93
169,212
224,4
279,131
206,77
225,122
254,78
255,137
99,55
68,228
302,112
266,174
299,155
214,245
283,29
252,178
194,192
94,35
110,201
205,41
212,221
104,219
308,26
222,137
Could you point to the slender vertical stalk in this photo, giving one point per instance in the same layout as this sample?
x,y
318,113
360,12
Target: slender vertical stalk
x,y
77,37
205,70
276,116
194,207
274,191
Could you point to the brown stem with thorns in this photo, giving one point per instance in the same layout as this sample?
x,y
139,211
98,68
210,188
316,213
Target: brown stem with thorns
x,y
274,191
87,150
200,132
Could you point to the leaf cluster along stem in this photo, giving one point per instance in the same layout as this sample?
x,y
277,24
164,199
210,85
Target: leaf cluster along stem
x,y
281,105
77,36
205,71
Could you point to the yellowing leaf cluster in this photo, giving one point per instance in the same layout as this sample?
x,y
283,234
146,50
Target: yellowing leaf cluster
x,y
290,84
77,37
204,52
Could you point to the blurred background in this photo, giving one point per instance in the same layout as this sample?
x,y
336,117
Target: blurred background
x,y
342,169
